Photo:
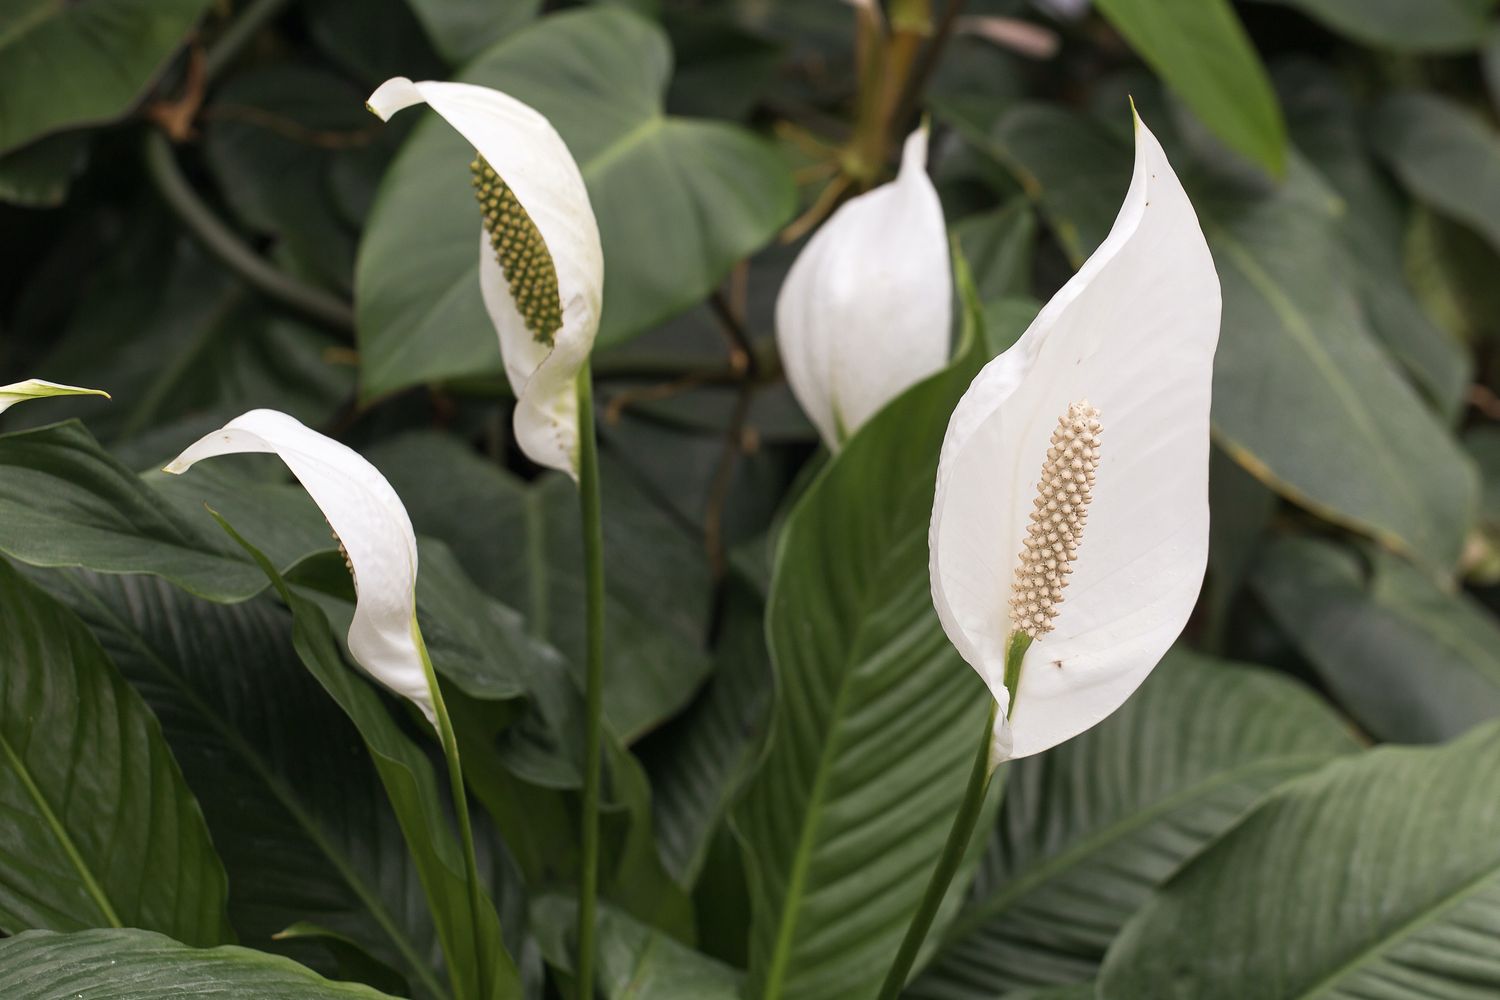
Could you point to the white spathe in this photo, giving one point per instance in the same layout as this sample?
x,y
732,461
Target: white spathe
x,y
35,388
1134,334
532,159
372,525
865,311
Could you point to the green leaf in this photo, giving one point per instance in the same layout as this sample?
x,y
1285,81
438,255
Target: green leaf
x,y
875,720
137,965
1088,829
1412,663
1378,876
998,245
100,829
296,810
1304,398
1403,26
38,175
472,943
1447,156
69,64
1200,49
520,542
461,29
678,200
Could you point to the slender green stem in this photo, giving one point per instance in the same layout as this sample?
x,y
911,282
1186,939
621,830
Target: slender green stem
x,y
593,558
952,856
477,907
1015,655
223,243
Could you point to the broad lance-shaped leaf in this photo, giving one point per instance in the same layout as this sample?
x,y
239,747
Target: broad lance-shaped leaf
x,y
1303,396
1378,876
701,194
138,965
100,829
1089,829
876,717
1411,662
303,826
113,48
476,951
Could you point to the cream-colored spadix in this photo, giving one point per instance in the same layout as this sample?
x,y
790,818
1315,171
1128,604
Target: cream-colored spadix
x,y
865,310
1072,492
372,528
35,388
541,266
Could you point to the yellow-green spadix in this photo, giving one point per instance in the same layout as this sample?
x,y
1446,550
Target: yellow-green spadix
x,y
541,266
1071,506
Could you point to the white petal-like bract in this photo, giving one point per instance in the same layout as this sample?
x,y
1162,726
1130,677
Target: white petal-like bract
x,y
866,308
1132,335
370,523
35,388
534,163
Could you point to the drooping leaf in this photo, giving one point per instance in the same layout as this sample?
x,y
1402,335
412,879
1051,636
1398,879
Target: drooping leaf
x,y
68,64
701,194
294,807
1411,662
100,829
1200,49
138,965
1090,828
1304,398
1376,876
875,721
1446,155
1403,26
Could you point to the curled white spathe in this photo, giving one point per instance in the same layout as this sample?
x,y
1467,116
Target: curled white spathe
x,y
866,308
532,159
36,388
372,525
1134,333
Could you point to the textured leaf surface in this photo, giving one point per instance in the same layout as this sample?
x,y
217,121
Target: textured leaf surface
x,y
678,200
1378,876
97,826
1088,829
65,64
876,717
137,965
1412,663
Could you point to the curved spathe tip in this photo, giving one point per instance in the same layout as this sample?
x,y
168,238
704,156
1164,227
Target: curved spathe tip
x,y
36,388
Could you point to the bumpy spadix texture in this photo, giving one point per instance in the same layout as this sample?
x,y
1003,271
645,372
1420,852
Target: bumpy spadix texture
x,y
35,388
1059,513
373,530
865,310
1133,334
541,266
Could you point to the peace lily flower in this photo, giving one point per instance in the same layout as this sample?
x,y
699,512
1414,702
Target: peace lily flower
x,y
1069,529
864,312
373,530
35,388
541,267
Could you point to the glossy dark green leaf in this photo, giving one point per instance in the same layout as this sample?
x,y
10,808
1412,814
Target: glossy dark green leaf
x,y
110,51
1304,397
1200,49
1445,154
295,808
1378,876
480,965
461,29
1403,26
875,721
520,542
998,246
678,200
38,175
137,965
1411,662
1088,829
100,829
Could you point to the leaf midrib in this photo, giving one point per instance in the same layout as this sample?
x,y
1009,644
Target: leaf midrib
x,y
781,954
278,789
